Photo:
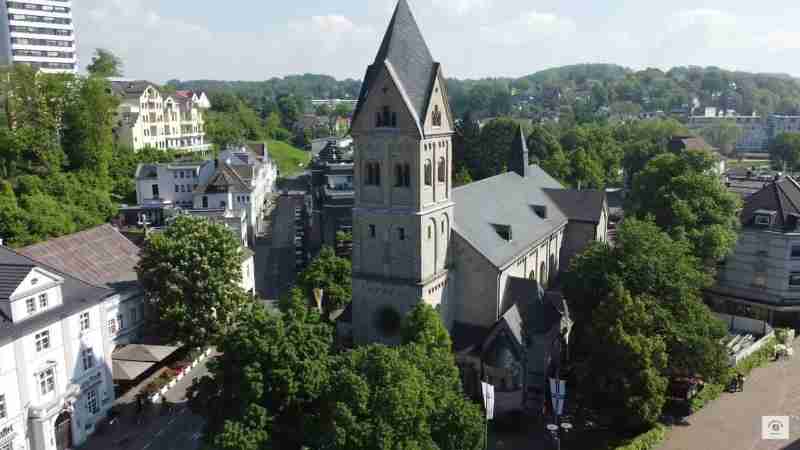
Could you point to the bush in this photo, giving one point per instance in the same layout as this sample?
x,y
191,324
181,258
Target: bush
x,y
645,441
709,392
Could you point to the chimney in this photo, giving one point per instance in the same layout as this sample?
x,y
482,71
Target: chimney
x,y
519,154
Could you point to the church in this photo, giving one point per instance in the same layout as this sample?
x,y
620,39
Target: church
x,y
483,254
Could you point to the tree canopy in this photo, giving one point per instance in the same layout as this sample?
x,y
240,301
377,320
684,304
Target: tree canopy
x,y
105,64
330,273
784,151
191,274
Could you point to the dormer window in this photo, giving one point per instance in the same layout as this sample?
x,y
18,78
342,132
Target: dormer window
x,y
764,218
504,231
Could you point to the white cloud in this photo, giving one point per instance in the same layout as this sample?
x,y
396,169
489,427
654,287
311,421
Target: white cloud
x,y
531,26
777,41
701,17
462,7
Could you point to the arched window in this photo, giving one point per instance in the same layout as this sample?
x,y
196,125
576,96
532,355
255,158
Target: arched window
x,y
394,120
373,175
398,175
436,116
440,170
406,175
428,173
387,116
378,122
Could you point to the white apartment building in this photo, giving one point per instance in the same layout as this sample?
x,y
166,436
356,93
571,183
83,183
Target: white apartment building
x,y
237,183
148,118
55,359
39,33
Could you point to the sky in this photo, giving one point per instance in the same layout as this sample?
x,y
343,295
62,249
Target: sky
x,y
160,40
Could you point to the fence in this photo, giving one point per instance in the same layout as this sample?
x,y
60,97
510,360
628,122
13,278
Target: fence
x,y
741,324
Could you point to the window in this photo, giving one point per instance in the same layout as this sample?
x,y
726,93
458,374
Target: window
x,y
796,252
436,116
373,174
177,188
222,204
430,233
398,175
134,312
30,305
174,173
372,231
378,120
3,410
43,301
84,321
87,357
428,173
182,174
394,120
112,327
442,227
42,340
205,202
440,170
386,116
47,381
763,220
406,175
91,402
794,279
401,234
120,322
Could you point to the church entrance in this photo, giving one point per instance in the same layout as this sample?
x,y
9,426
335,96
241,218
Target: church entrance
x,y
63,431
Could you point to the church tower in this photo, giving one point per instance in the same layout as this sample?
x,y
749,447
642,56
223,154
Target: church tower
x,y
403,212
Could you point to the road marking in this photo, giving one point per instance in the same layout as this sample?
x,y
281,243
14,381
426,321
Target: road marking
x,y
160,432
147,445
196,436
171,421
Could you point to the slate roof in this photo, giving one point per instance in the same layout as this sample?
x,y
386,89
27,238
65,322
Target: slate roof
x,y
689,143
130,88
77,295
12,272
101,256
506,199
225,179
582,206
542,310
405,49
782,196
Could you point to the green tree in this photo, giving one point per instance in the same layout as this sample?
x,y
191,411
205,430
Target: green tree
x,y
784,151
105,64
689,202
723,134
324,110
191,274
330,273
224,130
558,166
291,108
623,378
462,177
270,378
496,138
586,171
542,143
272,124
343,110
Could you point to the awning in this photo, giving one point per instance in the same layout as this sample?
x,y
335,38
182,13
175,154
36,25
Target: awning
x,y
129,370
143,353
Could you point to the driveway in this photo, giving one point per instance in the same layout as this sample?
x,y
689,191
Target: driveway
x,y
733,422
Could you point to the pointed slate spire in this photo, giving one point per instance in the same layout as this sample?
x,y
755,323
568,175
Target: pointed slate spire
x,y
405,49
519,154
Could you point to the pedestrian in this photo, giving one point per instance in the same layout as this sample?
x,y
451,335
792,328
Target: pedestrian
x,y
138,403
740,379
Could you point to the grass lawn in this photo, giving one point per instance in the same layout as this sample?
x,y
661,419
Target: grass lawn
x,y
291,160
748,163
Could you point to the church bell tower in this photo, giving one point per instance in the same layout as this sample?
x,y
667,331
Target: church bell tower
x,y
403,212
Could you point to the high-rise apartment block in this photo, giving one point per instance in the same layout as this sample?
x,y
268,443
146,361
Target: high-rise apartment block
x,y
39,33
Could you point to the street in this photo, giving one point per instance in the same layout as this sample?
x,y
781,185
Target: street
x,y
733,422
274,263
160,428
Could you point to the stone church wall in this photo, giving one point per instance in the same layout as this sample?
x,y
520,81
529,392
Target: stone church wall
x,y
475,285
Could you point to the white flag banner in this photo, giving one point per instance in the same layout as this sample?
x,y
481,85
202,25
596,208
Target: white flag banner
x,y
488,399
558,392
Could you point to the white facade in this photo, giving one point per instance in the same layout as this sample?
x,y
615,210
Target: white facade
x,y
55,363
171,184
39,33
148,118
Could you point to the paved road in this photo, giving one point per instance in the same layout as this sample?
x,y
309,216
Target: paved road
x,y
733,422
275,270
160,429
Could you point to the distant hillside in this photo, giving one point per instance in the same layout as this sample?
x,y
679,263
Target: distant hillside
x,y
579,73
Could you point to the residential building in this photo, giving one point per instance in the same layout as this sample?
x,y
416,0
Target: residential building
x,y
475,252
779,123
55,366
38,33
237,184
761,278
679,144
753,137
332,195
334,102
149,118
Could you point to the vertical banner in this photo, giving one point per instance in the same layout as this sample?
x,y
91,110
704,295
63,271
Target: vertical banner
x,y
558,392
488,399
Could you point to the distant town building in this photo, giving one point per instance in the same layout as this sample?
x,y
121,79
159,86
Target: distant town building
x,y
38,33
761,278
332,195
149,118
333,102
778,124
753,138
236,184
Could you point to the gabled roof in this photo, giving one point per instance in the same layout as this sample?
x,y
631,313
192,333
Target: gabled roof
x,y
13,271
77,295
506,199
101,256
782,196
225,179
130,88
404,48
581,206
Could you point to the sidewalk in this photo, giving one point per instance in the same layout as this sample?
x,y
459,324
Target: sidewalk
x,y
733,421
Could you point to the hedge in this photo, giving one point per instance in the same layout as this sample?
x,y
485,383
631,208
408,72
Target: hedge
x,y
645,441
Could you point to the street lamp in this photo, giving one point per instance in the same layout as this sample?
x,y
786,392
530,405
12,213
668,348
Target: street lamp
x,y
556,431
